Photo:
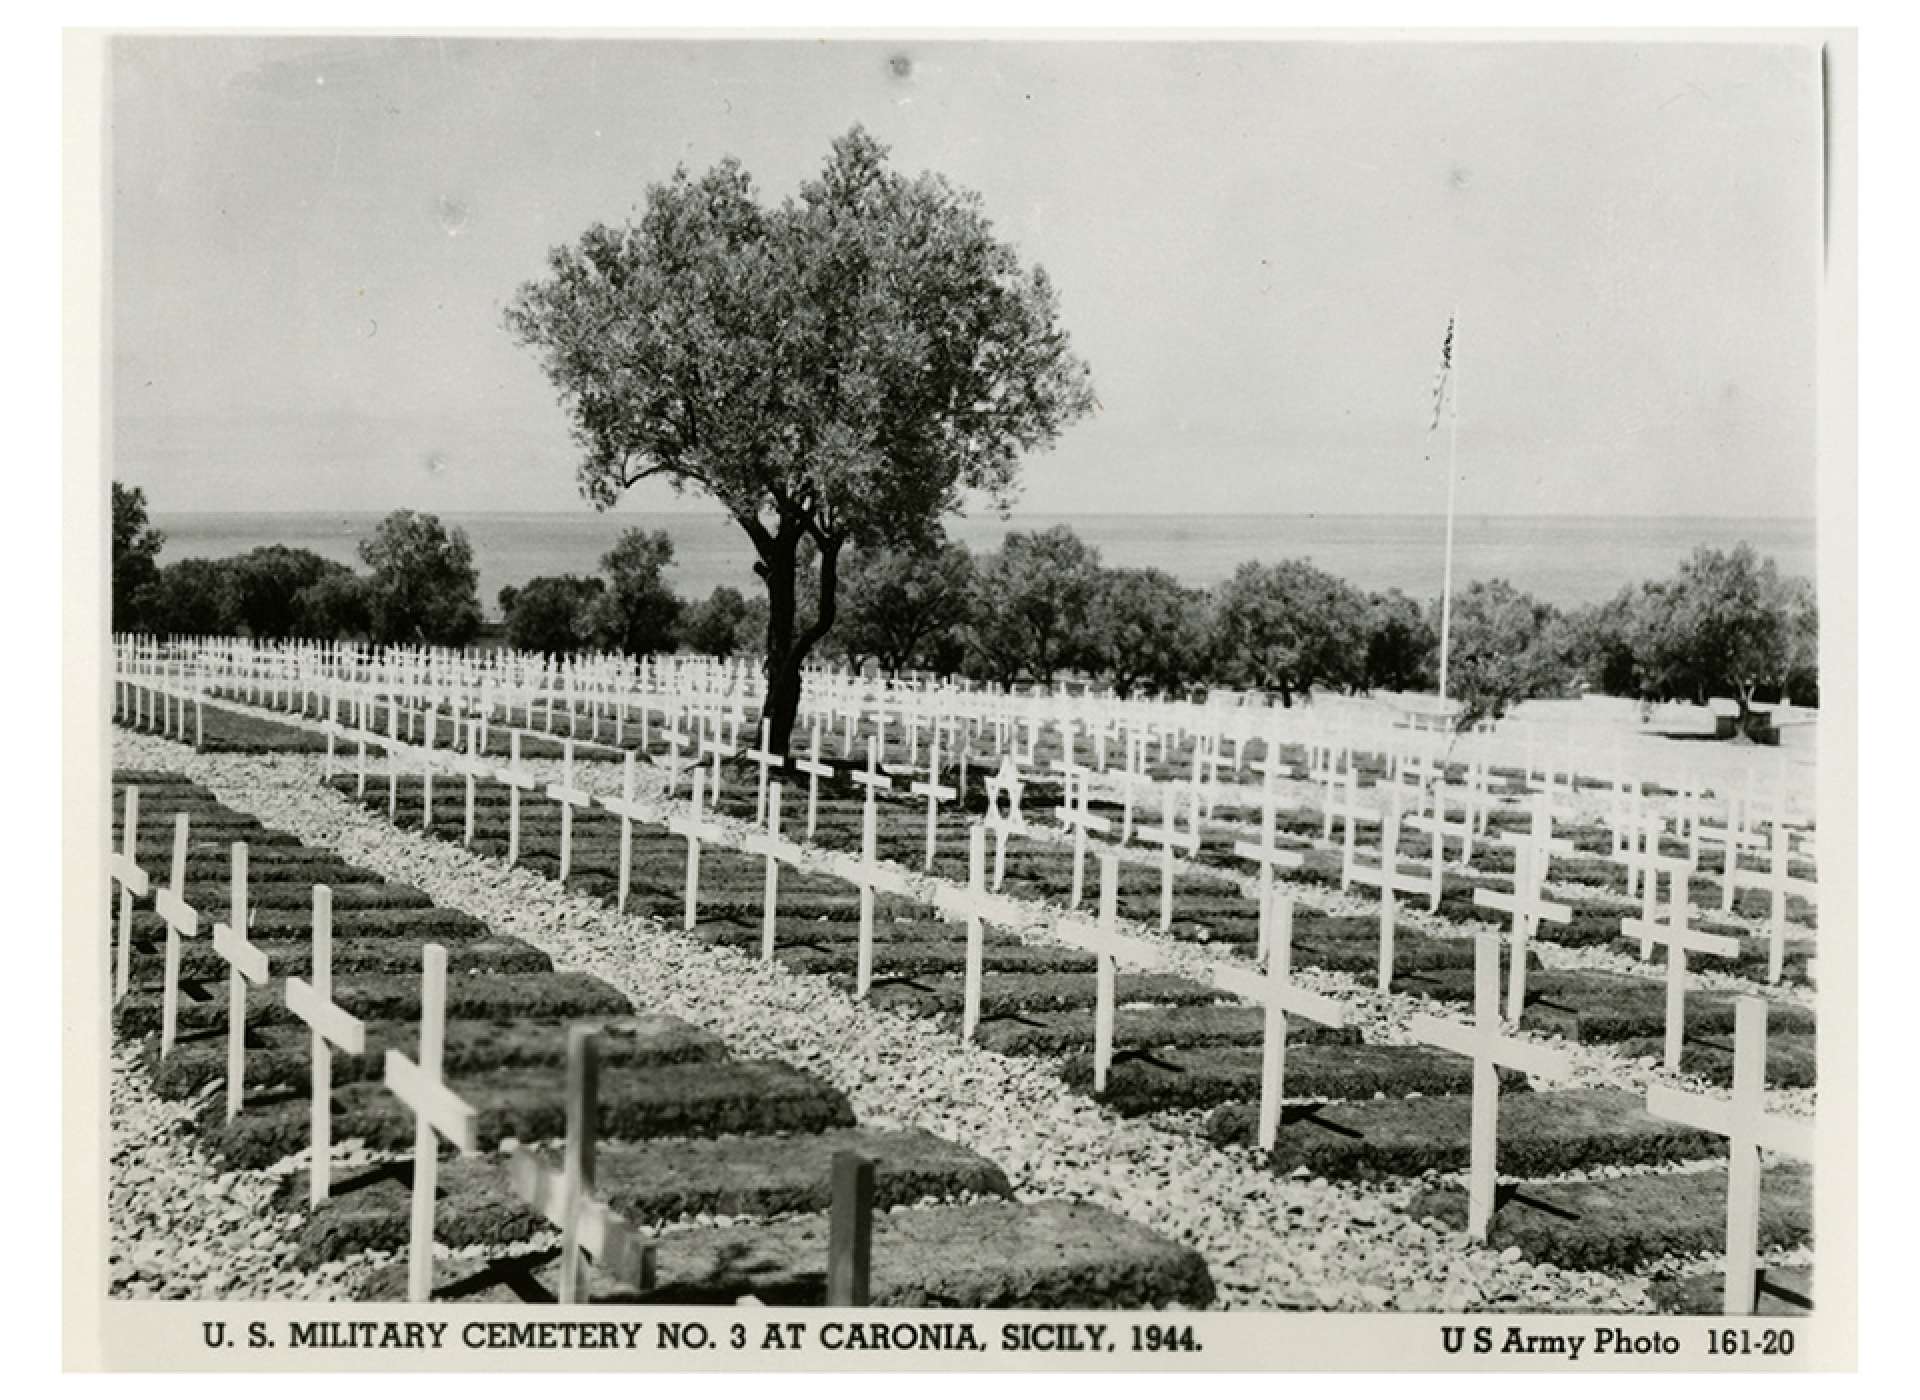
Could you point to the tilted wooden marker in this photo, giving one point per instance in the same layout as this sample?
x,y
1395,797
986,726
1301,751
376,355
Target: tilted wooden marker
x,y
1748,1127
183,921
1482,1042
245,963
850,1232
330,1026
438,1112
565,1197
133,882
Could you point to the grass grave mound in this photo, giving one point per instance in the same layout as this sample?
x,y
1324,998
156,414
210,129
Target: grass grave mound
x,y
1625,1222
1044,1254
1542,1133
1149,1082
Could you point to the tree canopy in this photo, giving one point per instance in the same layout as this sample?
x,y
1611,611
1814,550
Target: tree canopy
x,y
1033,606
842,368
136,556
1289,627
421,587
900,606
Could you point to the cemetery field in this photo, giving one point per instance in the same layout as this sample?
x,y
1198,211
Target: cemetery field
x,y
965,1015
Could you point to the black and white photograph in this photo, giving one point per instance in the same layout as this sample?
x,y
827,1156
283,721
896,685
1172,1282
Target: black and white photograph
x,y
972,700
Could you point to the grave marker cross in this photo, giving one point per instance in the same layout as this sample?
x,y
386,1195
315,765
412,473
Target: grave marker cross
x,y
565,1197
1482,1042
132,881
815,771
1282,997
570,796
1169,836
1388,878
245,963
330,1026
1527,909
183,921
1265,852
1748,1127
1679,940
438,1112
935,792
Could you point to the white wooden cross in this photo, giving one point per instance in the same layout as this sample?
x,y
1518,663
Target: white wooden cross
x,y
565,1197
627,810
767,843
472,767
330,1026
432,717
1781,882
692,824
1679,941
182,921
438,1112
870,871
873,780
712,746
815,771
935,792
1265,852
1004,816
1388,878
1526,906
570,796
1105,973
1170,837
1748,1128
765,759
976,930
133,882
1352,811
1074,813
1283,996
1482,1042
245,963
518,779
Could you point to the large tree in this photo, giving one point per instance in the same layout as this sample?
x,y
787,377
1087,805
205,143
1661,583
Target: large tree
x,y
136,556
1149,630
1726,624
841,368
421,585
550,614
1505,646
1289,627
1033,606
270,581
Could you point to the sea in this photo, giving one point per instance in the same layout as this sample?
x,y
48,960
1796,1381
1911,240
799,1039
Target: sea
x,y
1566,560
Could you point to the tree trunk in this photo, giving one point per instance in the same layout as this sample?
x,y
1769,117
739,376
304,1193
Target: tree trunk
x,y
788,645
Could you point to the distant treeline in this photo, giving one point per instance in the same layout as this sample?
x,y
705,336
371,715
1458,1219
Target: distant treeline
x,y
1041,607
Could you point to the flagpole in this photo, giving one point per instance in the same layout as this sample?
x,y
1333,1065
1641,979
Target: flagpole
x,y
1453,477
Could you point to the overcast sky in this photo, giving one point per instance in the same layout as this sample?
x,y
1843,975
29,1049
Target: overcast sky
x,y
1257,247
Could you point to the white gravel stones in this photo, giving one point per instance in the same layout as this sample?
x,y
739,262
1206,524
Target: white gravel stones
x,y
1271,1242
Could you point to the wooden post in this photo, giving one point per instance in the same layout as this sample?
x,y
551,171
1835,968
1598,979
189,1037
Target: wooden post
x,y
330,1026
976,932
133,881
1104,972
437,1110
770,912
244,963
182,922
850,1232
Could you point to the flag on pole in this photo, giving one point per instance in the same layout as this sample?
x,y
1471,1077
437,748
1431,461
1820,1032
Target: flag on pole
x,y
1441,375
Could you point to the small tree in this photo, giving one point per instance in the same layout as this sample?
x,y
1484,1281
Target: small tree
x,y
550,614
1506,646
1602,637
269,581
193,597
1149,631
637,612
1033,606
1289,627
719,624
839,369
136,556
422,587
901,606
1725,624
